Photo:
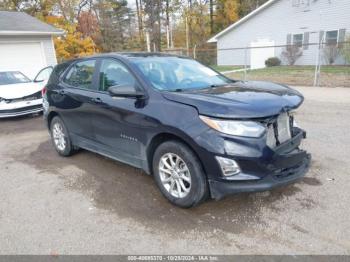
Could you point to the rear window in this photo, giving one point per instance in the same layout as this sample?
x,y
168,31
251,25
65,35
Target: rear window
x,y
81,74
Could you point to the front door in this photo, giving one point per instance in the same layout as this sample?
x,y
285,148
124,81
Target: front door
x,y
117,121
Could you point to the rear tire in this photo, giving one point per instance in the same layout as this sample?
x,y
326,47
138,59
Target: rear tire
x,y
60,137
179,174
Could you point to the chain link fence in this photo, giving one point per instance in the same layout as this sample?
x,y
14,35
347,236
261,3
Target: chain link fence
x,y
314,64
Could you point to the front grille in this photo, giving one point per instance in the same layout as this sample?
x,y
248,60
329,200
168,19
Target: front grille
x,y
286,172
279,130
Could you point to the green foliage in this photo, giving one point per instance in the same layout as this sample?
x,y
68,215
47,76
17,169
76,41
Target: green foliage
x,y
273,61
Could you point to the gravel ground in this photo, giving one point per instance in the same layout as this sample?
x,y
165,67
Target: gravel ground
x,y
87,204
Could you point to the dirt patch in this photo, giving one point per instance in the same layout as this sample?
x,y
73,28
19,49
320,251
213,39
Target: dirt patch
x,y
22,124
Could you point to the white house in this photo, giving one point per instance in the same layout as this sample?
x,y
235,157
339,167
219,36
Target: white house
x,y
283,22
26,43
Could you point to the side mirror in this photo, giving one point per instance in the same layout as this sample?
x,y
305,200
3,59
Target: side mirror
x,y
125,91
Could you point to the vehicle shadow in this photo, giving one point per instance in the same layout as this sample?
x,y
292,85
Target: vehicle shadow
x,y
130,193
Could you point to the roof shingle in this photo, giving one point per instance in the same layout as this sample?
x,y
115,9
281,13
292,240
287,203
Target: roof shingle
x,y
24,24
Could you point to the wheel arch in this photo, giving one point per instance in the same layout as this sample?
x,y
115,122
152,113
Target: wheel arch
x,y
166,136
50,116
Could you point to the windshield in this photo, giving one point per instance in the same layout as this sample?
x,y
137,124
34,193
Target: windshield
x,y
8,78
178,74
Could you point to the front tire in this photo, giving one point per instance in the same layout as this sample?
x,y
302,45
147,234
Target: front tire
x,y
60,137
179,174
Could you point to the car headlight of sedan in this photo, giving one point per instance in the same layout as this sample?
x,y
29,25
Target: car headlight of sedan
x,y
235,127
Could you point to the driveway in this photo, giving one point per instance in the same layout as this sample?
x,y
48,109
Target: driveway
x,y
88,204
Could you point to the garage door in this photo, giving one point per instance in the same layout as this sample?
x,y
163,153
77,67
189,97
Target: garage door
x,y
28,58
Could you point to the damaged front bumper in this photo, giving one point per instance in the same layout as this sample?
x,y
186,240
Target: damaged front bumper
x,y
20,108
287,165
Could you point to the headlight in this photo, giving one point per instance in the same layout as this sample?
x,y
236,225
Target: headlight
x,y
235,128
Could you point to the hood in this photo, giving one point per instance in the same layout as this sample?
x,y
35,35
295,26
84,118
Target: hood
x,y
248,99
20,90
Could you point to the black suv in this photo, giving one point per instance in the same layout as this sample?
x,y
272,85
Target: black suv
x,y
198,132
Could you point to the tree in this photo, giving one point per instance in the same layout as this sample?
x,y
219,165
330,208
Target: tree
x,y
247,6
73,44
87,24
153,10
291,54
139,12
226,13
330,53
40,8
113,18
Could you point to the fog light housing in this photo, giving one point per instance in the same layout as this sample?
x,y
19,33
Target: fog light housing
x,y
229,167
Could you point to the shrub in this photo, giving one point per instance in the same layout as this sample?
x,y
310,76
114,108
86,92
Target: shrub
x,y
273,61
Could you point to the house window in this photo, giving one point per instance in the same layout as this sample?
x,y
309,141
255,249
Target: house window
x,y
332,37
295,3
298,40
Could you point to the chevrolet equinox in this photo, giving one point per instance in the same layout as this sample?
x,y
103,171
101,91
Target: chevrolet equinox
x,y
196,131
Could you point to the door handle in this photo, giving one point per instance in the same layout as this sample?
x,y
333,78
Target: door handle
x,y
60,92
97,100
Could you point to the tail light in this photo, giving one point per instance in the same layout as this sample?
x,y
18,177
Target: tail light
x,y
43,91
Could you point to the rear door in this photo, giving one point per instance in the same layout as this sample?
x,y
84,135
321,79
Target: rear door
x,y
74,99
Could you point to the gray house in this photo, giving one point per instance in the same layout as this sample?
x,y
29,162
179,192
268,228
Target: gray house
x,y
26,43
279,23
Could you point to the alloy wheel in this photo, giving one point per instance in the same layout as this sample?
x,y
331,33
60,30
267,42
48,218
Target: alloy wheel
x,y
175,175
59,137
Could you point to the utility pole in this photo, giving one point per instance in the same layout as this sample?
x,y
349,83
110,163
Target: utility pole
x,y
148,42
171,31
318,61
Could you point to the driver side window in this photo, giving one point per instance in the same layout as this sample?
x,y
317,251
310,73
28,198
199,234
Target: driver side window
x,y
114,73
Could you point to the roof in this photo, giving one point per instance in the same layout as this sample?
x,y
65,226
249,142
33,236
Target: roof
x,y
241,21
147,54
19,23
132,55
126,55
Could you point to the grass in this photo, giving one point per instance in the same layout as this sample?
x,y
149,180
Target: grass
x,y
299,75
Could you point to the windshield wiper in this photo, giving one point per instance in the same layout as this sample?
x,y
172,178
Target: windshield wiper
x,y
175,90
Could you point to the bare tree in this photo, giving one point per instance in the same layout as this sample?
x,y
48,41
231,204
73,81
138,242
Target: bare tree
x,y
330,53
211,15
140,21
291,54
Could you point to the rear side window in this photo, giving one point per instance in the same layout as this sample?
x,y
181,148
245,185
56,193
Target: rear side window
x,y
80,75
113,73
